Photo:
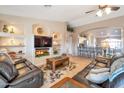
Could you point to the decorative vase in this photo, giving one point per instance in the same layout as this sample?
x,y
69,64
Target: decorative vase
x,y
5,28
11,30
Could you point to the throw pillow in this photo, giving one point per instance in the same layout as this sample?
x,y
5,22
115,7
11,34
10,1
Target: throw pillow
x,y
102,65
98,78
99,70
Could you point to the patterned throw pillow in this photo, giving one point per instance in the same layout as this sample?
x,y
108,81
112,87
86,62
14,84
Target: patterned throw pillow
x,y
98,78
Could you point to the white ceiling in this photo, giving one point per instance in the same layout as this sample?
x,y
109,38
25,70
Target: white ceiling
x,y
74,14
112,31
107,32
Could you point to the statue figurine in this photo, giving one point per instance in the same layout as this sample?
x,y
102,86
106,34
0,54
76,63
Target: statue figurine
x,y
11,30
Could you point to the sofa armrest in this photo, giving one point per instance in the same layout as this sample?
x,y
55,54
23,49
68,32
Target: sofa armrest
x,y
3,82
28,79
20,61
26,62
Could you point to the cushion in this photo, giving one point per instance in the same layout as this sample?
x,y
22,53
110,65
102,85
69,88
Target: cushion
x,y
98,78
117,64
101,65
7,69
99,70
3,50
3,82
116,57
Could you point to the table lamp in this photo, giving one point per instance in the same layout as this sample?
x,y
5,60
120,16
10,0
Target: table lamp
x,y
105,46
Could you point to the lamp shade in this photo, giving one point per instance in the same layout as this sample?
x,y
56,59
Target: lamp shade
x,y
105,44
99,13
108,10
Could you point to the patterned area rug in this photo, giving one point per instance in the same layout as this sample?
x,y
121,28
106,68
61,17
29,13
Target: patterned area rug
x,y
50,77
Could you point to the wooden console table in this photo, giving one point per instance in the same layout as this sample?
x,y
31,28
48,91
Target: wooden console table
x,y
55,61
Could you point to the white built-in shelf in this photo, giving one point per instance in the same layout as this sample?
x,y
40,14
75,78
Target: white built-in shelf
x,y
56,39
3,34
12,46
57,45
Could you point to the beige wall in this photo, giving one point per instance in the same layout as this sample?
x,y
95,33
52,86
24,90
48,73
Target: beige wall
x,y
115,22
49,26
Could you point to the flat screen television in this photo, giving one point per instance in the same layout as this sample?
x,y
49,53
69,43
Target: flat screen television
x,y
42,41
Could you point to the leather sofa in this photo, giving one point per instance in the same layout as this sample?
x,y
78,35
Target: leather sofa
x,y
117,82
21,74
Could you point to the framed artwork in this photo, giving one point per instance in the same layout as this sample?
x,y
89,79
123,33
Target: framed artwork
x,y
55,36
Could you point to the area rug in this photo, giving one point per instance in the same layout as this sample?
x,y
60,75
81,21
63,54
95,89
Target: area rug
x,y
50,77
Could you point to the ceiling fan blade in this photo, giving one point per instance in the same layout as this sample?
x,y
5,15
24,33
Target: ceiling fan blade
x,y
89,11
115,8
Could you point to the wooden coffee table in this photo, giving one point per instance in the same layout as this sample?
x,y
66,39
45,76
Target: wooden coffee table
x,y
68,82
56,61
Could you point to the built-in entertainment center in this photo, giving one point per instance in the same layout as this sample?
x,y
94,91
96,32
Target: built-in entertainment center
x,y
42,45
46,43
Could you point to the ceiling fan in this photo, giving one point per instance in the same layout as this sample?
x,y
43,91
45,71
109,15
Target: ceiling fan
x,y
103,9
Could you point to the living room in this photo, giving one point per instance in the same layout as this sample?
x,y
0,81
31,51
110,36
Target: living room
x,y
41,46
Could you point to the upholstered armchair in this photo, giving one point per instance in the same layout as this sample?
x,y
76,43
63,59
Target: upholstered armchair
x,y
21,74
